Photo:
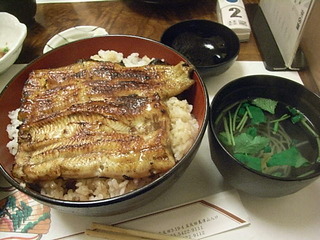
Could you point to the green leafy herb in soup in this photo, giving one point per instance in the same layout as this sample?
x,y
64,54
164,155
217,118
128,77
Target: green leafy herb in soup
x,y
270,137
3,51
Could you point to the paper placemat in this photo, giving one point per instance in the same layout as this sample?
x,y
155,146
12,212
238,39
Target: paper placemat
x,y
24,218
195,220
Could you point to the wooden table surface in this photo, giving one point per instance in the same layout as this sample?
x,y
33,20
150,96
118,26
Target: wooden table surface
x,y
123,17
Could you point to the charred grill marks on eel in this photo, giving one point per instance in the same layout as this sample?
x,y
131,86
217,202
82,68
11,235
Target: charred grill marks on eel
x,y
97,119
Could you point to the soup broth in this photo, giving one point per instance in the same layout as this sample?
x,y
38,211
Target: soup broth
x,y
270,137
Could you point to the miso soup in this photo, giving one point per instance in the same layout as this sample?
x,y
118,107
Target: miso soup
x,y
270,137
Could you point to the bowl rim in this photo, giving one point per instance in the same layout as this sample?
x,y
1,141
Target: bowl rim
x,y
214,133
134,193
232,57
88,31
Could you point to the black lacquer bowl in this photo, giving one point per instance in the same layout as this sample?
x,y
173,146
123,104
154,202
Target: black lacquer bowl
x,y
210,46
235,172
83,49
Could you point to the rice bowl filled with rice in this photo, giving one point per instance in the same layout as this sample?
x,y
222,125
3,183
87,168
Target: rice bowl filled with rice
x,y
183,132
85,129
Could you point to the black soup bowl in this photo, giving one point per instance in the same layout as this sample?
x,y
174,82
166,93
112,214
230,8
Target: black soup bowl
x,y
210,46
71,53
243,174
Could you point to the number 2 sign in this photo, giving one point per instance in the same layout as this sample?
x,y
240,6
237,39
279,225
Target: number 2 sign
x,y
232,13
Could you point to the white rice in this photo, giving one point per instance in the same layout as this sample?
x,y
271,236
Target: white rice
x,y
184,129
133,60
13,130
108,55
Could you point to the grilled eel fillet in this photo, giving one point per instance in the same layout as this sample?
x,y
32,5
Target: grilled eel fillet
x,y
97,119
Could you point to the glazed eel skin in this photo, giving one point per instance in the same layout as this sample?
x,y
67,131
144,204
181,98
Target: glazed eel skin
x,y
97,119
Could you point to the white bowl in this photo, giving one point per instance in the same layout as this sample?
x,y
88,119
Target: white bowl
x,y
73,34
12,35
